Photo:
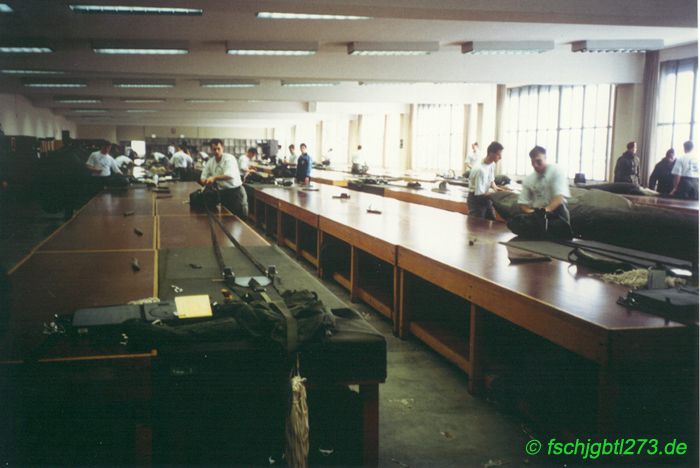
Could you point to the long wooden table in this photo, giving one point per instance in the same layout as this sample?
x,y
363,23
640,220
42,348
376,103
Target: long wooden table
x,y
88,262
462,257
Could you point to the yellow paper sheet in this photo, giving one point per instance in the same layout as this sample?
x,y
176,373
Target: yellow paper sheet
x,y
193,306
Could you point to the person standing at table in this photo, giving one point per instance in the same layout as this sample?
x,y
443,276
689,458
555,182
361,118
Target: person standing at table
x,y
303,174
182,162
481,180
221,171
685,174
627,166
244,162
291,158
473,157
101,163
661,178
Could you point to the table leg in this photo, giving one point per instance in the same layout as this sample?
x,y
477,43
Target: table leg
x,y
369,397
354,273
608,393
476,325
403,320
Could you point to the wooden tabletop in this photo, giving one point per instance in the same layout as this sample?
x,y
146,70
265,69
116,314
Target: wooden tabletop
x,y
442,237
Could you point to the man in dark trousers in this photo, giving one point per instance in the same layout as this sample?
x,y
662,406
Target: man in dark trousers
x,y
627,167
303,175
222,171
661,178
685,174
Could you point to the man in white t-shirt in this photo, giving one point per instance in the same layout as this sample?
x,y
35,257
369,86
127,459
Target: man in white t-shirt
x,y
181,160
685,174
221,171
123,162
481,180
473,157
545,188
543,201
101,164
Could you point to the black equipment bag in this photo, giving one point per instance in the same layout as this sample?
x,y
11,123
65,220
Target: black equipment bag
x,y
203,199
598,261
540,225
679,304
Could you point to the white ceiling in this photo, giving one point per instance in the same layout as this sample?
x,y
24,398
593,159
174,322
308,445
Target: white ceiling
x,y
449,22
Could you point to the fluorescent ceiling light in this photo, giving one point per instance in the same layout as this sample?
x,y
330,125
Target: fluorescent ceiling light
x,y
228,84
309,84
142,84
118,51
135,10
307,16
621,46
5,8
142,101
507,47
392,48
272,48
54,84
141,111
25,50
205,101
386,83
77,100
89,111
31,72
140,47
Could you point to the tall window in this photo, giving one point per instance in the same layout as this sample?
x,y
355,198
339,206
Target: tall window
x,y
335,141
392,156
372,139
574,124
438,132
676,121
306,133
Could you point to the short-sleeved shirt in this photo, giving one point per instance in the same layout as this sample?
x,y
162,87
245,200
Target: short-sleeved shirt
x,y
686,166
481,177
105,163
303,167
243,162
472,159
159,156
226,166
539,189
123,160
181,160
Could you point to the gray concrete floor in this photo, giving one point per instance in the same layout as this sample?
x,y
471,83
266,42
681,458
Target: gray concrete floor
x,y
427,418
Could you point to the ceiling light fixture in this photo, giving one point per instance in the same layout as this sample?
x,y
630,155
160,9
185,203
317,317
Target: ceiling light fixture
x,y
392,48
140,48
77,100
228,84
615,46
31,72
144,84
142,101
205,101
89,111
386,83
307,16
55,84
6,49
296,49
5,8
507,47
141,111
135,10
309,84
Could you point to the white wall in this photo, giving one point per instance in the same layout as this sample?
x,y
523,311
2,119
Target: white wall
x,y
19,117
679,53
116,133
